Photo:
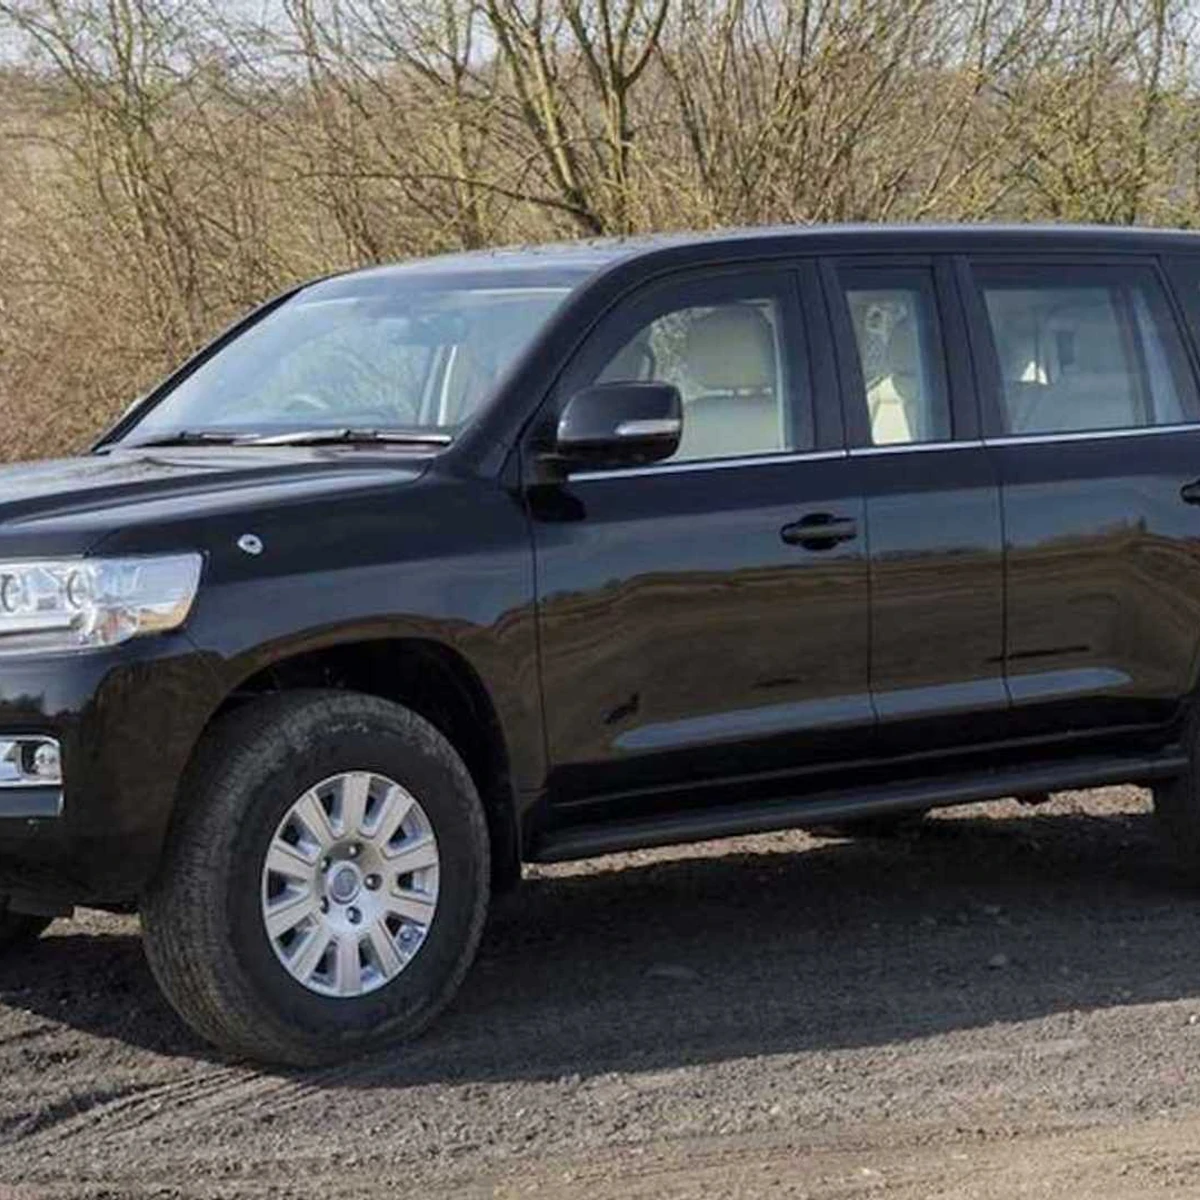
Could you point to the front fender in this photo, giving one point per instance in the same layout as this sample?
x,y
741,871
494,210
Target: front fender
x,y
465,584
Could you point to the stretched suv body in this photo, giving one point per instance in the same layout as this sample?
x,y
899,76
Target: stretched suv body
x,y
424,571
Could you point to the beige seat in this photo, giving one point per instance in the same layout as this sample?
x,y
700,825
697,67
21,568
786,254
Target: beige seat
x,y
1085,361
1066,369
730,358
900,411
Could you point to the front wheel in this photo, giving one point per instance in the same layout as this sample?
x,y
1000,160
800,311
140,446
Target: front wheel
x,y
17,929
325,887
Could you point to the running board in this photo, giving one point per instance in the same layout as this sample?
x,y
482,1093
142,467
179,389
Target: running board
x,y
820,808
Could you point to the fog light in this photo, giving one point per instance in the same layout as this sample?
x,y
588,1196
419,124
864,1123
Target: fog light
x,y
47,763
30,761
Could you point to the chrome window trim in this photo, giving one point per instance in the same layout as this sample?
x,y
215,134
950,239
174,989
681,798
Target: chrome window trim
x,y
1028,439
1090,435
1008,439
914,447
712,464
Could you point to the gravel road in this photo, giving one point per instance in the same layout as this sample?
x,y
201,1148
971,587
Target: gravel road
x,y
1006,1003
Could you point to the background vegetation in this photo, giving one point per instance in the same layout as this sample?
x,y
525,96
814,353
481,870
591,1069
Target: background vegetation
x,y
164,165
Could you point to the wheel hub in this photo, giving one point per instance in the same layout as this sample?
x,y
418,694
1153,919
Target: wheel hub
x,y
350,884
345,883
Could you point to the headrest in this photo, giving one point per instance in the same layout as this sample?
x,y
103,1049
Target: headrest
x,y
731,347
903,359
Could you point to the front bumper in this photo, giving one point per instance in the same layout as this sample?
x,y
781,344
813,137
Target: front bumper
x,y
127,720
31,803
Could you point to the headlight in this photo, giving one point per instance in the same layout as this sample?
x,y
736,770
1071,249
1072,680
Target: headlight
x,y
88,602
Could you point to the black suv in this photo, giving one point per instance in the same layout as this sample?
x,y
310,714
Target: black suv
x,y
425,571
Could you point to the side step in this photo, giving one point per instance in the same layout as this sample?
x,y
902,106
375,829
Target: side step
x,y
763,816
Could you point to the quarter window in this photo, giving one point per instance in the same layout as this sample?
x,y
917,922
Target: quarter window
x,y
1082,349
893,313
723,346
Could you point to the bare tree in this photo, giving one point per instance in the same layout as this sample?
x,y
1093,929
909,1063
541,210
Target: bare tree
x,y
164,163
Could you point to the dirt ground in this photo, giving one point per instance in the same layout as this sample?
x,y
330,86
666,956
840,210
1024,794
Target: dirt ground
x,y
1006,1004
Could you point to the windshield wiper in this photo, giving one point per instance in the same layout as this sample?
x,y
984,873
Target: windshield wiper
x,y
189,437
352,437
298,437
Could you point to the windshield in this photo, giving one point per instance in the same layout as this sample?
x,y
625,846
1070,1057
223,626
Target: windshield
x,y
374,353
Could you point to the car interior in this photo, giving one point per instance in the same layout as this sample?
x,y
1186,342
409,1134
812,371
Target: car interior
x,y
726,362
899,393
1079,358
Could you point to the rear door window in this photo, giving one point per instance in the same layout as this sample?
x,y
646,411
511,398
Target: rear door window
x,y
1076,349
900,376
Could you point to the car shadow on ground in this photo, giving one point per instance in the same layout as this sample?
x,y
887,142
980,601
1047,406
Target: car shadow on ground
x,y
687,960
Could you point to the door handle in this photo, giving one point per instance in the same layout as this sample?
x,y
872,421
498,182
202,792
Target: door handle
x,y
1190,492
819,531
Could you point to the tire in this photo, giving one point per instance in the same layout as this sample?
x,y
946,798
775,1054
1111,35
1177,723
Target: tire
x,y
205,915
889,825
19,929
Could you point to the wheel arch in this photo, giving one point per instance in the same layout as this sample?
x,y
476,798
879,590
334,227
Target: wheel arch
x,y
428,676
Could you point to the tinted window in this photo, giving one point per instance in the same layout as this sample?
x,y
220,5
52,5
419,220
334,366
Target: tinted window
x,y
723,347
1185,279
1083,348
893,313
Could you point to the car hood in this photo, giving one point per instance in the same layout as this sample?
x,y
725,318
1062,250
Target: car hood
x,y
67,505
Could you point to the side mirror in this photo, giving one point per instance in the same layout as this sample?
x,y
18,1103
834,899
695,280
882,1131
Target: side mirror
x,y
619,425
